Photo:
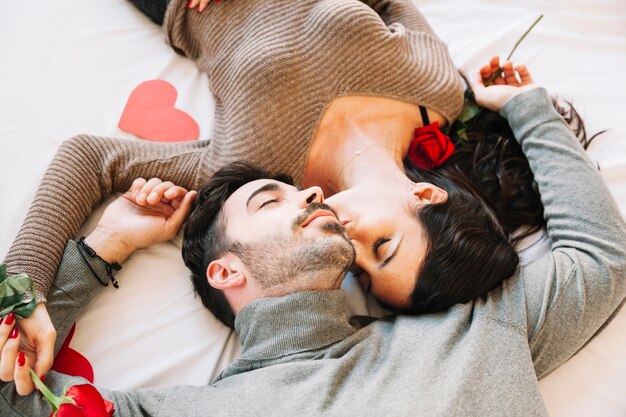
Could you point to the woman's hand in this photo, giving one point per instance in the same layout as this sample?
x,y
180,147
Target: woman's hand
x,y
511,82
126,225
202,4
24,344
149,212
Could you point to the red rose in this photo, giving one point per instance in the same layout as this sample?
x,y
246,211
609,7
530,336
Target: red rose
x,y
89,403
430,148
79,401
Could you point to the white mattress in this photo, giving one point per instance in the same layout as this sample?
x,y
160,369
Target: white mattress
x,y
67,67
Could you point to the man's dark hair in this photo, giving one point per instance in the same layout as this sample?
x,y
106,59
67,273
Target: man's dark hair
x,y
205,231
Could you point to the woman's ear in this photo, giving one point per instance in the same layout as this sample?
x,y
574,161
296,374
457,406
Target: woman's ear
x,y
225,273
427,193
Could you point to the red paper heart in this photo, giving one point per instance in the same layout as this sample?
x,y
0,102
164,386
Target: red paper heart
x,y
70,362
150,114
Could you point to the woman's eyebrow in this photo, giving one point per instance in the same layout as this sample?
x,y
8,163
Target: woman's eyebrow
x,y
393,254
272,186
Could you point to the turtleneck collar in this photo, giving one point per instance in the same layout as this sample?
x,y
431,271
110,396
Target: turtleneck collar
x,y
273,329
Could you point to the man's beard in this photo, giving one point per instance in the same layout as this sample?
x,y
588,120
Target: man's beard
x,y
282,261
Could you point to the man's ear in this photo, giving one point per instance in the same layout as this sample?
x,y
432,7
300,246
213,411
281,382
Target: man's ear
x,y
427,193
226,273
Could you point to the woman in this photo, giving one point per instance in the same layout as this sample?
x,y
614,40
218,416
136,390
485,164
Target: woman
x,y
344,75
484,356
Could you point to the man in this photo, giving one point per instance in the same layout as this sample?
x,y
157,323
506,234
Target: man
x,y
254,244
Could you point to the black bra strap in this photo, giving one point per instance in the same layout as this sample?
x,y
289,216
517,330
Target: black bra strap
x,y
424,114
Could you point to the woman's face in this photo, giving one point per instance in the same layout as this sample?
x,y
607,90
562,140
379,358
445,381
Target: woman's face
x,y
390,245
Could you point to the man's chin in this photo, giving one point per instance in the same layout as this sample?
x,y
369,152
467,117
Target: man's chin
x,y
332,225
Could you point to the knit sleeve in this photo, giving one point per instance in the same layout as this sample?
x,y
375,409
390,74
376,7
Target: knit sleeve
x,y
85,171
400,11
175,401
570,292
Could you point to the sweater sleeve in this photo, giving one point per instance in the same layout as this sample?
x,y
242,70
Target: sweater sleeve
x,y
73,289
573,290
84,171
146,402
400,11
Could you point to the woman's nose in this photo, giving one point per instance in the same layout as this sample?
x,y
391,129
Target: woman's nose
x,y
360,263
312,195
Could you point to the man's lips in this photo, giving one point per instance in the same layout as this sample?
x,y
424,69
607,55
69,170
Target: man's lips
x,y
319,213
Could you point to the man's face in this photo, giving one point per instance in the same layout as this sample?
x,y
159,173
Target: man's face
x,y
287,238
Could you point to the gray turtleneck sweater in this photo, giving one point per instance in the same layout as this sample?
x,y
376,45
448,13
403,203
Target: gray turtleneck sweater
x,y
302,356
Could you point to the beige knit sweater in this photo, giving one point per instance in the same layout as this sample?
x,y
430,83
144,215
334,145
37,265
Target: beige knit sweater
x,y
273,66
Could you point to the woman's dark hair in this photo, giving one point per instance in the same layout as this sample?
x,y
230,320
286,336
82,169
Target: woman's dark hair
x,y
493,203
205,231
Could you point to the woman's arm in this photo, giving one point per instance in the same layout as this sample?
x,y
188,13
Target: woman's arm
x,y
85,171
124,227
75,286
570,293
400,11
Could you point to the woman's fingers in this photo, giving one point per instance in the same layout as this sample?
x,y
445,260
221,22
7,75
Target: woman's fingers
x,y
492,67
524,75
45,352
142,196
7,324
485,72
509,74
11,336
494,63
24,385
156,194
136,187
174,192
203,5
155,191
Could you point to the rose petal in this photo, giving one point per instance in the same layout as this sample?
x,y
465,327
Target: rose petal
x,y
430,148
89,400
69,410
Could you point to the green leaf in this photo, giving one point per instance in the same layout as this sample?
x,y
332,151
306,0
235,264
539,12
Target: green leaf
x,y
470,110
16,294
3,272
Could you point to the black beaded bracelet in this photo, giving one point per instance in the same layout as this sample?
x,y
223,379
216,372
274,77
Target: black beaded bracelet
x,y
83,248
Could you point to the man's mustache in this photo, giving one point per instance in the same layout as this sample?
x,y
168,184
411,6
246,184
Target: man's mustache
x,y
308,212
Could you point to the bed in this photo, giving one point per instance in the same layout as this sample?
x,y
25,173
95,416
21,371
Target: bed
x,y
68,67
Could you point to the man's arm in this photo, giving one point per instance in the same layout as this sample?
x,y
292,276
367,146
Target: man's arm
x,y
145,402
571,292
124,227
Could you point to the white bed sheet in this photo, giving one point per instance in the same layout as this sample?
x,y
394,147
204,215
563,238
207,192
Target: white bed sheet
x,y
67,67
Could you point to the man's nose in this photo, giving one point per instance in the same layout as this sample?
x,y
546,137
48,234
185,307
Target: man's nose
x,y
312,195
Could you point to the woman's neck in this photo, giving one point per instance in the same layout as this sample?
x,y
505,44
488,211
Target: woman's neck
x,y
356,142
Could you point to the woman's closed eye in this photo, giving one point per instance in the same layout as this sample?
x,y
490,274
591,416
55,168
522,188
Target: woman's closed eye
x,y
378,243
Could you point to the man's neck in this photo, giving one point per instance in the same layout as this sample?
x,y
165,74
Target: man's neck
x,y
274,329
